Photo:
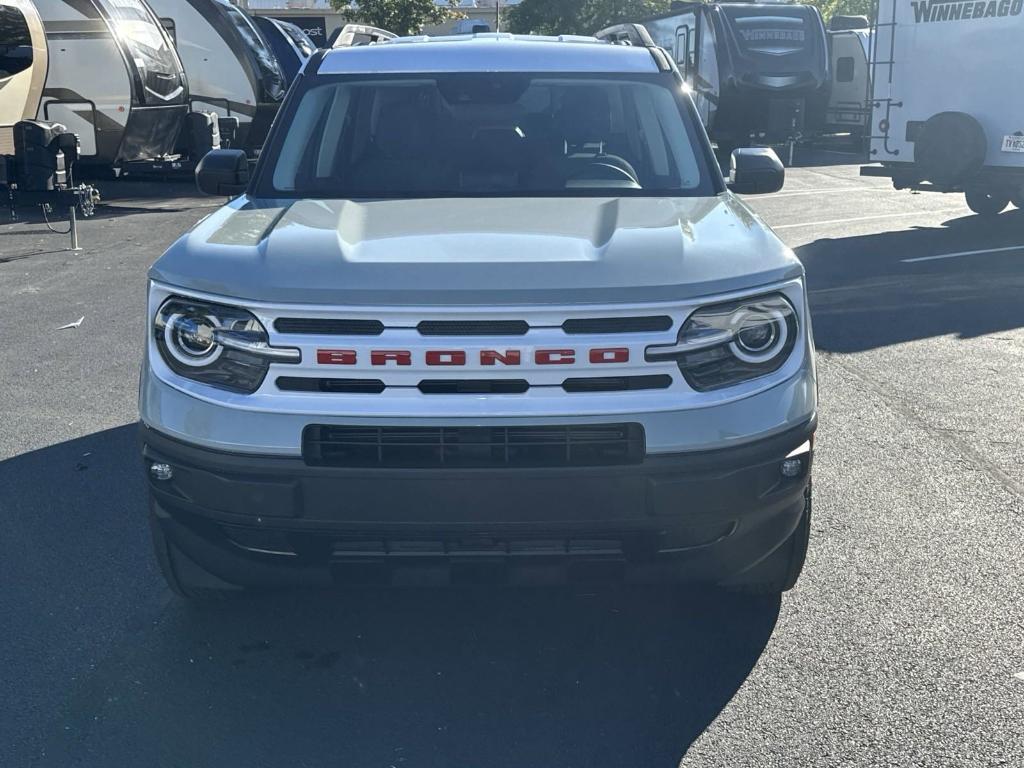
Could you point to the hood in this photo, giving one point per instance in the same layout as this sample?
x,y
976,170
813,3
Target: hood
x,y
483,252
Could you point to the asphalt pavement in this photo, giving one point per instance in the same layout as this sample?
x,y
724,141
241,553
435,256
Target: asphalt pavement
x,y
903,644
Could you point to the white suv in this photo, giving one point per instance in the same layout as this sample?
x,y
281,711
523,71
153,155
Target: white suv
x,y
486,308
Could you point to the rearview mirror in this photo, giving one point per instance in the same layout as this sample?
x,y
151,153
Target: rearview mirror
x,y
223,172
755,171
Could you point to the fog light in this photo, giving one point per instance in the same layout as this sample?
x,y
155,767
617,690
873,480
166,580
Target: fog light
x,y
161,471
791,467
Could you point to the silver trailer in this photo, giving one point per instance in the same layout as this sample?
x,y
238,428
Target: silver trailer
x,y
111,77
947,115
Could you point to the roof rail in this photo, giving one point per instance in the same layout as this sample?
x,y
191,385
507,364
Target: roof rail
x,y
638,36
627,34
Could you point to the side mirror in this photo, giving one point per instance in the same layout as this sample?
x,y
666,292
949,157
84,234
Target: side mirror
x,y
223,172
755,171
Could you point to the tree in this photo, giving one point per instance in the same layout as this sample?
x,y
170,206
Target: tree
x,y
830,8
577,17
403,17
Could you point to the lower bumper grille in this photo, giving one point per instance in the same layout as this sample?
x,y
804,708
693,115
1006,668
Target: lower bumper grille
x,y
585,445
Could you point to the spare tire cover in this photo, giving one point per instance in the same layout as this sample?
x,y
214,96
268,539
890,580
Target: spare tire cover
x,y
950,149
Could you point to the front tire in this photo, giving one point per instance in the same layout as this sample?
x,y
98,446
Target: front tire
x,y
781,570
986,202
185,577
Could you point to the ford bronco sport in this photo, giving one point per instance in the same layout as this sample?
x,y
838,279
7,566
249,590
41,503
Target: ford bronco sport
x,y
485,307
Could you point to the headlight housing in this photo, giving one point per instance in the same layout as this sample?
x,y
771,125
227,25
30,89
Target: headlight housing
x,y
222,346
725,344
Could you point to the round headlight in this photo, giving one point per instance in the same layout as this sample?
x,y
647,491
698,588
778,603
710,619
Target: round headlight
x,y
189,339
759,334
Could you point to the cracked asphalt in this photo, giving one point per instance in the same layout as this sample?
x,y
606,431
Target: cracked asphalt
x,y
903,644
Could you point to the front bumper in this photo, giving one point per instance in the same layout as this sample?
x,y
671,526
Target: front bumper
x,y
260,520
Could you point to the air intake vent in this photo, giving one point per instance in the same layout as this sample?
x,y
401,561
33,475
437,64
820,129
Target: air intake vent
x,y
583,445
473,386
618,324
311,384
328,327
617,383
473,327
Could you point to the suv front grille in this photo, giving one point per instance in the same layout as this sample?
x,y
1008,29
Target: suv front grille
x,y
580,445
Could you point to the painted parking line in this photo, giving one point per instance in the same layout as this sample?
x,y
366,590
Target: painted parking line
x,y
963,253
822,191
867,218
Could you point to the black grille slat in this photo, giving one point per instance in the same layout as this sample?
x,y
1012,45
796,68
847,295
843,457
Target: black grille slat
x,y
473,327
617,324
310,326
473,386
536,446
617,383
334,386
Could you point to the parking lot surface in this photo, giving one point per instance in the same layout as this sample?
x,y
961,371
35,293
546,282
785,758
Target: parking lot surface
x,y
903,644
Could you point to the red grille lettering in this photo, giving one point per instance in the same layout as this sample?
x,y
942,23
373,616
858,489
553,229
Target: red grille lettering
x,y
382,356
446,357
554,356
492,356
336,356
610,355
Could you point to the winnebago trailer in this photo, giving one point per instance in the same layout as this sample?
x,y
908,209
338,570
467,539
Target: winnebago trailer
x,y
759,71
230,66
23,63
112,78
948,113
291,46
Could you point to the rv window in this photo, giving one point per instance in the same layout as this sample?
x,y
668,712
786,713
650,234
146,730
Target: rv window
x,y
149,50
844,69
172,30
493,134
15,42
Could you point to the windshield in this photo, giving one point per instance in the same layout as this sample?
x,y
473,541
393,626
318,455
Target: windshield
x,y
476,134
271,77
150,51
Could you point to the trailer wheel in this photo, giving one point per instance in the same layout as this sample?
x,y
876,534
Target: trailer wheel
x,y
950,149
986,202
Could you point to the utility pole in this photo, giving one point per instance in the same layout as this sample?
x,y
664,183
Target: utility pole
x,y
497,15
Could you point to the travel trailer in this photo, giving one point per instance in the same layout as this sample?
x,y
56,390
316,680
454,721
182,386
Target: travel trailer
x,y
947,112
289,43
110,71
23,63
759,71
849,103
231,68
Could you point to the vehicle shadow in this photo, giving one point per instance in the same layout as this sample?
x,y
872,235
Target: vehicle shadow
x,y
594,676
863,295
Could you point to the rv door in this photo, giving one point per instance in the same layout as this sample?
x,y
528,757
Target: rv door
x,y
23,64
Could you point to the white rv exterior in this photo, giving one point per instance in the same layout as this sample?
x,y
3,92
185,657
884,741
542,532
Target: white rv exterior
x,y
948,113
112,78
849,105
23,64
230,67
